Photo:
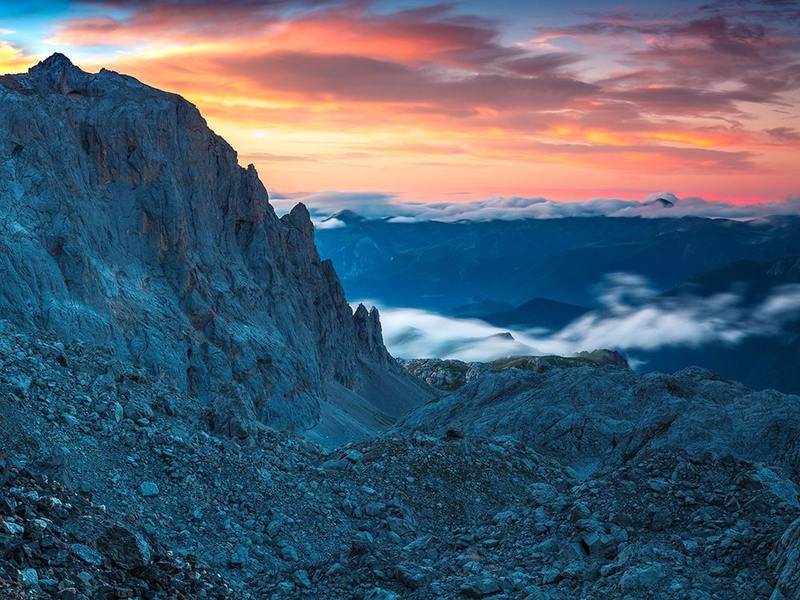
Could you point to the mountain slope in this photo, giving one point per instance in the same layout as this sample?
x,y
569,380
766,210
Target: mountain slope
x,y
447,265
114,488
478,310
751,279
126,221
537,312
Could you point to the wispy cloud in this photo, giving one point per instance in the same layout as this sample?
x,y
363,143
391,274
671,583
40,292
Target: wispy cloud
x,y
633,317
414,333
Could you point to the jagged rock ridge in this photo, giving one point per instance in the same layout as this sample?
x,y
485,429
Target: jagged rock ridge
x,y
126,221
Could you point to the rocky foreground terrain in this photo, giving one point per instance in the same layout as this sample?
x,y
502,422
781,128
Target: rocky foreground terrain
x,y
190,409
111,488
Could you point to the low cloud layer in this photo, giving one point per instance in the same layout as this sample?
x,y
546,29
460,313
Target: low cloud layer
x,y
387,206
633,317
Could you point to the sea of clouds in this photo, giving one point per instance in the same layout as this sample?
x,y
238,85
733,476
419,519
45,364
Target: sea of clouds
x,y
632,316
387,206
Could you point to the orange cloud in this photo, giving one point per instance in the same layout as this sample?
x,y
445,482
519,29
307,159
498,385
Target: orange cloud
x,y
12,59
433,102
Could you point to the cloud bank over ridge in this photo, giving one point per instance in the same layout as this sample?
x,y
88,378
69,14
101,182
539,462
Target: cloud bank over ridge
x,y
632,317
377,205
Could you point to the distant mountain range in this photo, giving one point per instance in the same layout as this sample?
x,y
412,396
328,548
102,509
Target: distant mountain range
x,y
751,280
537,312
442,266
759,361
544,274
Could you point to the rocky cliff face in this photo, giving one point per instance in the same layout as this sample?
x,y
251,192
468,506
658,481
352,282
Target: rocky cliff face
x,y
126,221
785,561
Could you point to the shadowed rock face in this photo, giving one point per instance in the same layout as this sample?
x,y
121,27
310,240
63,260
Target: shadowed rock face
x,y
124,220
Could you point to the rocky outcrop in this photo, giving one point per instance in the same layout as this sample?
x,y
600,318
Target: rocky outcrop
x,y
589,416
125,221
449,375
370,335
57,543
785,561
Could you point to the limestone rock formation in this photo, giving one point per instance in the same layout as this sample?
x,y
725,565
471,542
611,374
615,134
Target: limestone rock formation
x,y
449,374
369,333
588,415
125,221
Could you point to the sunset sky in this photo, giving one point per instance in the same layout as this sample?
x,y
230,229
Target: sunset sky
x,y
567,100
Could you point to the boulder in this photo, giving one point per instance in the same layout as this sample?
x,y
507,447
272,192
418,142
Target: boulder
x,y
126,548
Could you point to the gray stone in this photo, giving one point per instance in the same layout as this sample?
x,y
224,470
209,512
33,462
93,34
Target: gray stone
x,y
353,455
289,553
12,528
639,578
20,384
784,560
542,493
87,554
301,577
335,465
381,594
119,412
238,558
362,542
410,577
148,489
28,578
126,548
481,587
374,509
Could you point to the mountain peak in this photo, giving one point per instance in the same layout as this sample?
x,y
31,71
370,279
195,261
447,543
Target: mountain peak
x,y
121,173
504,335
57,74
347,216
54,62
661,200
